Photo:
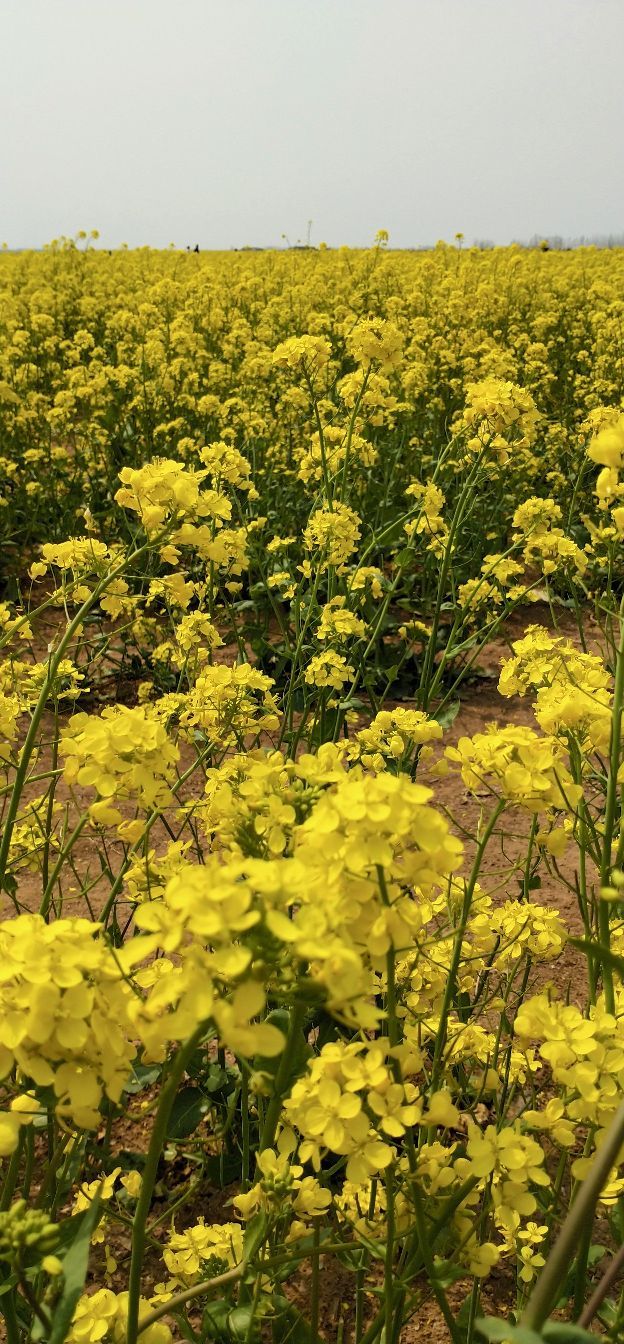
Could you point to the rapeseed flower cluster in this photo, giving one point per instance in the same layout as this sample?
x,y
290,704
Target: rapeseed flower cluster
x,y
273,509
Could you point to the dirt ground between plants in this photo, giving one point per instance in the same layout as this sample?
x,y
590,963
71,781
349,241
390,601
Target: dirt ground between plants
x,y
480,704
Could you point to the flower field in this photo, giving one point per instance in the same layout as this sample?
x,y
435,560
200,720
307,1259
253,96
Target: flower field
x,y
311,997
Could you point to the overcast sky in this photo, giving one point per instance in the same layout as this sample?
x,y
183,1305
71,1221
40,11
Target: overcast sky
x,y
232,122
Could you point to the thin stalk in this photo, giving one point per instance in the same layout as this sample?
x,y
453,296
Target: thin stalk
x,y
610,812
29,1163
274,1107
50,883
150,1170
475,1296
136,847
315,1282
425,1250
612,1272
10,1180
356,407
449,991
50,801
35,1307
244,1101
579,1217
580,1273
55,1154
464,499
361,1269
38,711
389,1258
198,1290
359,1301
13,1332
320,432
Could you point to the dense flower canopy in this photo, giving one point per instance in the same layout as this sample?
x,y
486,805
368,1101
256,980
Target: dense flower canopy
x,y
271,923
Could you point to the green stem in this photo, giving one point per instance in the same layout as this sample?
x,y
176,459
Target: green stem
x,y
315,1282
198,1290
580,1273
10,1317
320,432
465,498
29,1162
244,1102
389,1258
38,711
45,868
427,1257
612,1272
359,1301
35,1307
273,1110
10,1180
136,847
475,1296
49,885
150,1170
356,407
580,1216
54,1163
449,991
610,812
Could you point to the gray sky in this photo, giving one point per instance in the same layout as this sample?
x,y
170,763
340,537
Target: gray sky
x,y
229,122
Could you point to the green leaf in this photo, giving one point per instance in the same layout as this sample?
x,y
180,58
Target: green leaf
x,y
299,1051
255,1233
445,717
288,1323
239,1323
187,1113
199,1066
564,1332
503,1332
217,1080
75,1265
464,1316
143,1075
447,1273
214,1322
596,1254
222,1168
607,1313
